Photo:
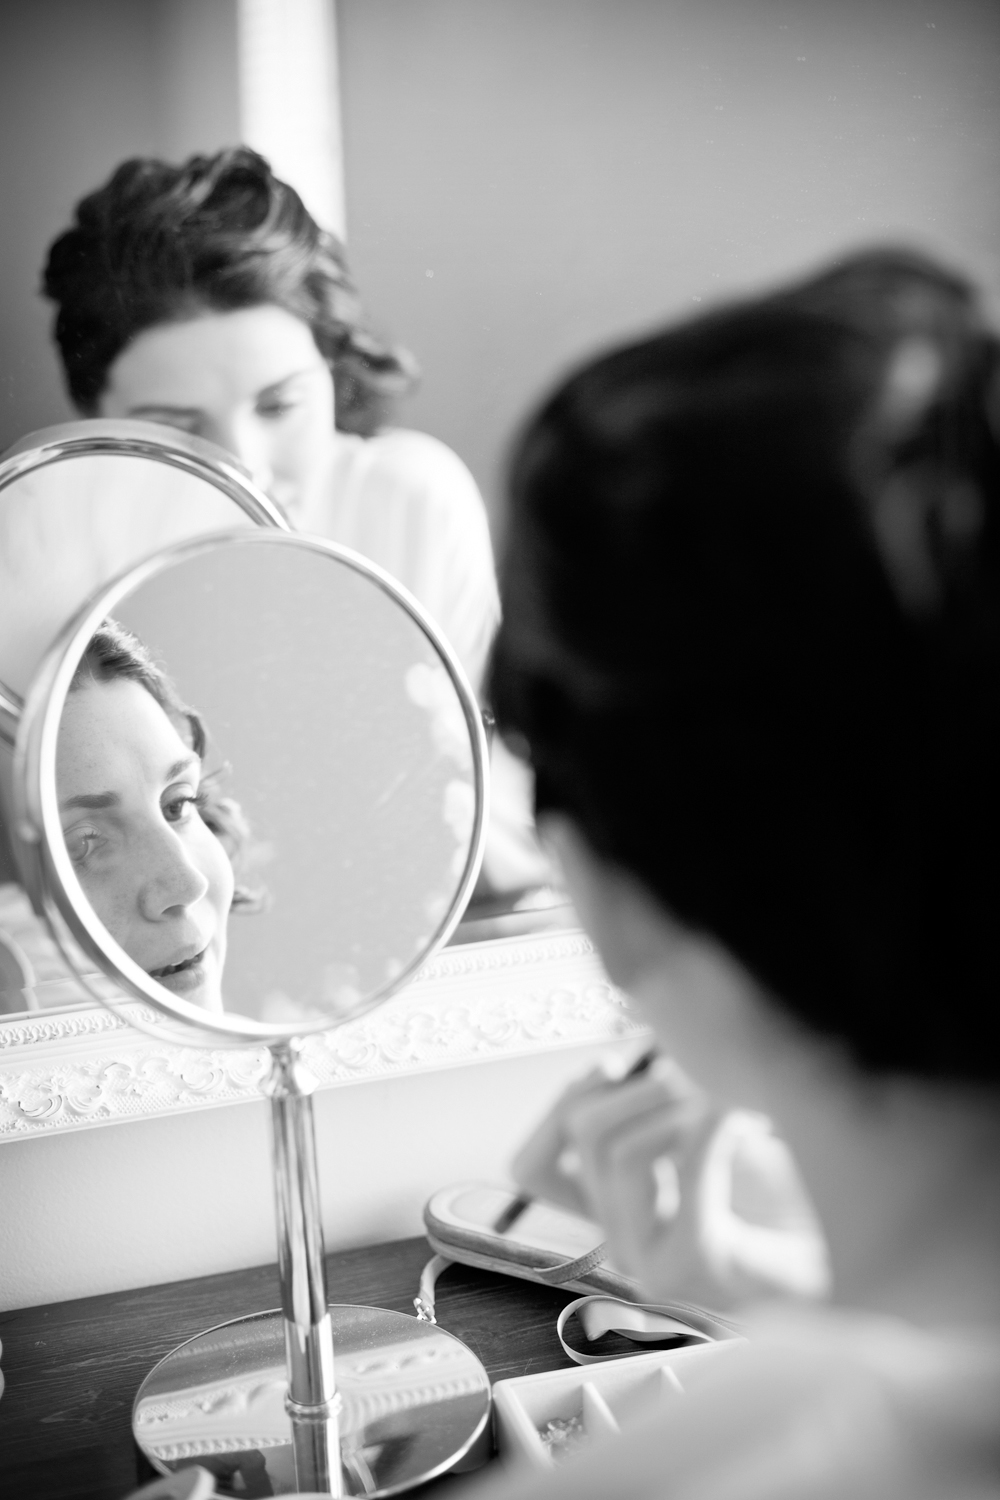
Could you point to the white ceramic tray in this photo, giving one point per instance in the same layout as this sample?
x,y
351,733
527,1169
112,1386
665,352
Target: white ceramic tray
x,y
603,1399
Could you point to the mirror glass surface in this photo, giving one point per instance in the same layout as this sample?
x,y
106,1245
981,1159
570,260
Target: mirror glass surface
x,y
413,1396
81,502
340,792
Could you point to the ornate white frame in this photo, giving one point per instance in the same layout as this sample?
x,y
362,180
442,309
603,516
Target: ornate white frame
x,y
84,1066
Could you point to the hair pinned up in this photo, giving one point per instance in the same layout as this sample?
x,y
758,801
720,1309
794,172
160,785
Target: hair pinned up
x,y
158,243
928,453
751,640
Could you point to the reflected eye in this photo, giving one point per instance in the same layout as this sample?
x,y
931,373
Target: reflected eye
x,y
274,409
81,843
177,805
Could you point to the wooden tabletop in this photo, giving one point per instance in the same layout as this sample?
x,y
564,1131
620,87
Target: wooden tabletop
x,y
73,1368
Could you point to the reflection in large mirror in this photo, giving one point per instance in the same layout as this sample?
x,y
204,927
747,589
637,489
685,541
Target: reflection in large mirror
x,y
78,504
251,791
81,502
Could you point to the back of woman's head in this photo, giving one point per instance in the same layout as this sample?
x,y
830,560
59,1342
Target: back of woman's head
x,y
159,243
751,639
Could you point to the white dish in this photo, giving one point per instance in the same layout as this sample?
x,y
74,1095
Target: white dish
x,y
600,1401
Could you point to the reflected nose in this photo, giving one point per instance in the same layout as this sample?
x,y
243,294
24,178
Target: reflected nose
x,y
172,881
241,435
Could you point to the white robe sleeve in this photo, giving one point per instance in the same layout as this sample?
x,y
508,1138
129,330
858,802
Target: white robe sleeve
x,y
407,502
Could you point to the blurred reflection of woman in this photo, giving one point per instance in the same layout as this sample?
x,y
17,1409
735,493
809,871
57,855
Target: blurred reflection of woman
x,y
770,771
205,296
151,841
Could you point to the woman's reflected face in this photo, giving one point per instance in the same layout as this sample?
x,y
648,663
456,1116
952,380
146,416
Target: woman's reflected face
x,y
252,381
156,876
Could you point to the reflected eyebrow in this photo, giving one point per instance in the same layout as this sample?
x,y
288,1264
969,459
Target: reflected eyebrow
x,y
270,390
184,764
175,411
100,800
92,799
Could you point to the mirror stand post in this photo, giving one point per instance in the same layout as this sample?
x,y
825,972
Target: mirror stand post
x,y
258,1393
312,1401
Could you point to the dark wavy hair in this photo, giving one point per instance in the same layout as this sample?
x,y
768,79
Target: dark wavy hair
x,y
158,243
114,652
751,643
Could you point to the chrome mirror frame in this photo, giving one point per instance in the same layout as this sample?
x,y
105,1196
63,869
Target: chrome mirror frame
x,y
128,438
48,872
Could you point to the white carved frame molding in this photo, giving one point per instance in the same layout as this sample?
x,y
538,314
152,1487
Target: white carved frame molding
x,y
84,1066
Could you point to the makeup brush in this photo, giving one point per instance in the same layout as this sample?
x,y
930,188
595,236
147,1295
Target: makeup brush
x,y
516,1207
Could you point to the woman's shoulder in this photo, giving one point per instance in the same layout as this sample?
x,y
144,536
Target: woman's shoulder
x,y
419,461
853,1402
17,917
34,945
403,444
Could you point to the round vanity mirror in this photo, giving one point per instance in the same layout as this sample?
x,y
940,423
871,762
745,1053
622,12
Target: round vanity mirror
x,y
251,792
81,502
253,785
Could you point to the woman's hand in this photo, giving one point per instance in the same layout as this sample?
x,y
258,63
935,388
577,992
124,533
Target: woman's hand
x,y
697,1202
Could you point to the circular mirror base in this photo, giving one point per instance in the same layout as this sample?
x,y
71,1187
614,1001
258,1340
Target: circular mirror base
x,y
415,1403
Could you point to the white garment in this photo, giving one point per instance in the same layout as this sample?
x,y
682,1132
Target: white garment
x,y
407,502
54,984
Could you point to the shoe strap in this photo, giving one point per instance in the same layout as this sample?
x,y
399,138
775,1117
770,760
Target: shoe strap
x,y
424,1300
567,1270
570,1270
647,1324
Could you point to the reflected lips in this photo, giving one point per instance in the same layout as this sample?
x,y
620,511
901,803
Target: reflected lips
x,y
186,975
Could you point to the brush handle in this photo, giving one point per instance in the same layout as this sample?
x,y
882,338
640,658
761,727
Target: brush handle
x,y
516,1207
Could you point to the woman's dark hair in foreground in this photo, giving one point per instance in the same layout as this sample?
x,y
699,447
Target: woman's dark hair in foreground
x,y
159,243
113,652
751,642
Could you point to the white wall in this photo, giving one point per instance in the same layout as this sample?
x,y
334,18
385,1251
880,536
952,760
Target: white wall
x,y
88,83
150,1201
572,170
